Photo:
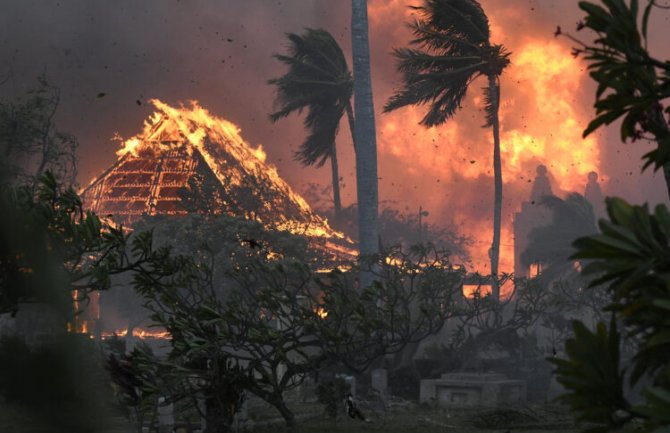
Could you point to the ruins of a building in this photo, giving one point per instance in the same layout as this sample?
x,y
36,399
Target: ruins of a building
x,y
534,214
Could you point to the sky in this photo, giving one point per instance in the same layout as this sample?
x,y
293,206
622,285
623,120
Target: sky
x,y
220,54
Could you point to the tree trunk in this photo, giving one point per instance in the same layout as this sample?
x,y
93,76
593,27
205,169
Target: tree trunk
x,y
336,182
365,139
217,418
494,86
350,118
280,404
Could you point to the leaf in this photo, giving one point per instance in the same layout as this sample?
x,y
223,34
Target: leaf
x,y
604,119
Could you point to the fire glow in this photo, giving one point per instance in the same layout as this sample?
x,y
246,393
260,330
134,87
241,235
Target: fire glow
x,y
138,333
195,124
542,118
176,134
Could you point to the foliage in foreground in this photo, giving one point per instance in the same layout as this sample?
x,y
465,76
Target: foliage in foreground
x,y
631,256
49,246
60,387
265,326
631,83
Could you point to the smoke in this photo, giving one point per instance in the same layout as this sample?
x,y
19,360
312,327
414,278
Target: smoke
x,y
220,53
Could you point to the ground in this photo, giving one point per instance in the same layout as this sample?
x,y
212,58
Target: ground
x,y
430,420
406,419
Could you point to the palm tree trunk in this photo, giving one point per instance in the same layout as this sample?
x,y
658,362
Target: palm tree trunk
x,y
365,138
336,182
494,86
350,118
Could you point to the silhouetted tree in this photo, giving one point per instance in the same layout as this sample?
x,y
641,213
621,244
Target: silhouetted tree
x,y
30,143
319,81
454,43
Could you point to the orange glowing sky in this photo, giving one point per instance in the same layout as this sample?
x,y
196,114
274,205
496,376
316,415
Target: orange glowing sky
x,y
220,53
541,123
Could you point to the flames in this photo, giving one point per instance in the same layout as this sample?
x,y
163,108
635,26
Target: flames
x,y
196,125
553,133
546,104
232,161
138,333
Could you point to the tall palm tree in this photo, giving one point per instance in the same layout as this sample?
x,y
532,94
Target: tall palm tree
x,y
454,49
319,81
365,137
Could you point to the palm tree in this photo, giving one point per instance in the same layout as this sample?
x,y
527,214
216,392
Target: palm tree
x,y
454,49
365,137
319,81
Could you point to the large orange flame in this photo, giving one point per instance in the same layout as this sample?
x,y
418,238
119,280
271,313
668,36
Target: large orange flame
x,y
170,126
449,169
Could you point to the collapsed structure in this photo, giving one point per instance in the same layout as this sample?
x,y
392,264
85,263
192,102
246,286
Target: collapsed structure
x,y
187,160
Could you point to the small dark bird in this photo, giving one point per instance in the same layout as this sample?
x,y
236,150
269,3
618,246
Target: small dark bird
x,y
138,102
101,95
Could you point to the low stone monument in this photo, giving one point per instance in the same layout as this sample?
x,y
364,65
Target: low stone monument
x,y
379,380
472,389
165,416
349,380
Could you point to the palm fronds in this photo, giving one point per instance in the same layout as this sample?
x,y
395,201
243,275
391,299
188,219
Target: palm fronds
x,y
452,37
319,81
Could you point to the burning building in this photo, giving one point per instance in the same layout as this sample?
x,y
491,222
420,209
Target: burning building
x,y
187,160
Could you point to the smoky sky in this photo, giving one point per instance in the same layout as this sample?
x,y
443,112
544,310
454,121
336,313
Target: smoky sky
x,y
220,53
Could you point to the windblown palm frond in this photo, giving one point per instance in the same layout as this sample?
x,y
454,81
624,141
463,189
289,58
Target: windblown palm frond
x,y
454,50
464,18
323,122
318,80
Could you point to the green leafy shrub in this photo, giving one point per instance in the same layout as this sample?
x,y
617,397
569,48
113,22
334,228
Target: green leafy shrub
x,y
631,256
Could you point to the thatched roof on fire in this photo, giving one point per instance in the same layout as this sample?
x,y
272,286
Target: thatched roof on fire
x,y
186,160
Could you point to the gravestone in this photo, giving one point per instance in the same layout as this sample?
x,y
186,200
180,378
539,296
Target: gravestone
x,y
165,416
349,380
379,380
472,390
